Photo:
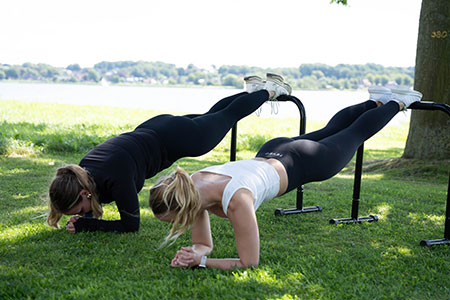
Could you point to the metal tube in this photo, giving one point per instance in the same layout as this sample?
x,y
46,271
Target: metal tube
x,y
357,181
233,143
447,214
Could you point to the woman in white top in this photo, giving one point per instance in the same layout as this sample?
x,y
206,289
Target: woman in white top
x,y
236,189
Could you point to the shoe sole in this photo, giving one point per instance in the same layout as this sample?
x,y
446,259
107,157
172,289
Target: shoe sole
x,y
277,79
274,77
406,96
379,90
379,93
287,87
412,93
252,78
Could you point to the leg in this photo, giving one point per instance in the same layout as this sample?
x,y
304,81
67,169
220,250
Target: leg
x,y
334,152
306,160
339,121
221,104
184,136
191,116
224,103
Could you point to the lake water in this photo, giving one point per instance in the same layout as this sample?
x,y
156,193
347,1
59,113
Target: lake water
x,y
319,105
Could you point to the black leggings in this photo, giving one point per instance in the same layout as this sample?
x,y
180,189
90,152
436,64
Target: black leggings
x,y
195,135
321,154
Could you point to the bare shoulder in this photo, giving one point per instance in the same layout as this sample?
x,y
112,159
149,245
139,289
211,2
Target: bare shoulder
x,y
242,198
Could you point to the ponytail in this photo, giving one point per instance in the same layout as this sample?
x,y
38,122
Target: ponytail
x,y
65,190
176,193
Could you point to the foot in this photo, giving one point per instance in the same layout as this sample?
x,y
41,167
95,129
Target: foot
x,y
405,96
253,83
275,83
380,94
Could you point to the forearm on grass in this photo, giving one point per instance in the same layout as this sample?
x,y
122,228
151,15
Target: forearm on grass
x,y
227,263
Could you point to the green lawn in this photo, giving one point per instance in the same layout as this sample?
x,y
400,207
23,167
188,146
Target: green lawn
x,y
302,256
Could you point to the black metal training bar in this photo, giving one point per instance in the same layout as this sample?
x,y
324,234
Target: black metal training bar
x,y
357,184
299,203
356,194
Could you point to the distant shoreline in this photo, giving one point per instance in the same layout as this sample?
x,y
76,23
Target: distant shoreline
x,y
306,76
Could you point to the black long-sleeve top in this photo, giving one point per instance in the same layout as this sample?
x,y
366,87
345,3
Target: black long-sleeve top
x,y
119,167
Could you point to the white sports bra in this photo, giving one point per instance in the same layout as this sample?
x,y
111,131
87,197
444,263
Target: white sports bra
x,y
259,177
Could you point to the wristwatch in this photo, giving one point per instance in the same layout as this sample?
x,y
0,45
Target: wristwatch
x,y
202,263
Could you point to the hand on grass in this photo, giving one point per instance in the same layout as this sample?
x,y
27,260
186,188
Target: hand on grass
x,y
176,262
70,227
186,257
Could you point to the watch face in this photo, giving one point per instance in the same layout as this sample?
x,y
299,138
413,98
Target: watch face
x,y
202,263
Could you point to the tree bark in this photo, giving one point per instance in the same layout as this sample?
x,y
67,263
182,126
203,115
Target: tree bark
x,y
429,131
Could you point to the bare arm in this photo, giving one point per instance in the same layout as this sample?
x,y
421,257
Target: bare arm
x,y
201,235
202,243
242,216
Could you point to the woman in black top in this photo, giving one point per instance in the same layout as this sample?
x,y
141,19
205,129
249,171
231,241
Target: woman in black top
x,y
115,170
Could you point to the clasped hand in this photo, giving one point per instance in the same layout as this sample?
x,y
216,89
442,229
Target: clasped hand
x,y
186,257
70,227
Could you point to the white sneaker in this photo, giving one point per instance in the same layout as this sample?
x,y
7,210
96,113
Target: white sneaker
x,y
405,95
379,93
276,84
253,83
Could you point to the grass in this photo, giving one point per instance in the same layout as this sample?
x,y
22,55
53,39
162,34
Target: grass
x,y
302,256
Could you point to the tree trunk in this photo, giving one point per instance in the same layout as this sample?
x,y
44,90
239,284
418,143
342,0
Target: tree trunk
x,y
429,131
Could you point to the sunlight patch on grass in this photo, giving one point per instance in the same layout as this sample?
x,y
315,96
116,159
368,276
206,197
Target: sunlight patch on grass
x,y
38,210
426,218
146,212
404,251
20,196
344,176
397,252
19,231
16,171
110,212
351,175
16,148
376,244
292,277
260,276
374,176
285,297
382,211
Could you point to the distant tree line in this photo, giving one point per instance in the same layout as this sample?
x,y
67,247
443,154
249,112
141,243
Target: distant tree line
x,y
307,76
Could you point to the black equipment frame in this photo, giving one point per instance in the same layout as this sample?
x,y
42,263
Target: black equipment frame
x,y
423,105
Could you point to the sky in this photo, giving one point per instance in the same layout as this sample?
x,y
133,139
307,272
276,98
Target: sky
x,y
263,33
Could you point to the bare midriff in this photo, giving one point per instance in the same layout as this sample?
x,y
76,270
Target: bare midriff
x,y
278,166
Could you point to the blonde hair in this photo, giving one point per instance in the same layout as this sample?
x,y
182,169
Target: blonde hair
x,y
176,193
65,190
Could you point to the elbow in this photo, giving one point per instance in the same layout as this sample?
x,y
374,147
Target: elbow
x,y
210,247
249,263
205,249
132,228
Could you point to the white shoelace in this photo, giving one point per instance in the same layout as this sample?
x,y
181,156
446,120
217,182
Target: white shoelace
x,y
274,107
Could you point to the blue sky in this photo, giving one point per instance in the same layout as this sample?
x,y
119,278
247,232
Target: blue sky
x,y
282,33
